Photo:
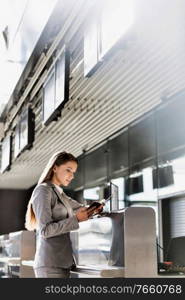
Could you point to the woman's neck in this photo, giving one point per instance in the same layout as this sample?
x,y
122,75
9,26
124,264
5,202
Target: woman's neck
x,y
55,181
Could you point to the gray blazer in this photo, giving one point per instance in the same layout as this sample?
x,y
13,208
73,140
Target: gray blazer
x,y
55,215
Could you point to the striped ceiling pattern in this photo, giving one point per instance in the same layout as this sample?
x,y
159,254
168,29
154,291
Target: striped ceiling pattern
x,y
149,68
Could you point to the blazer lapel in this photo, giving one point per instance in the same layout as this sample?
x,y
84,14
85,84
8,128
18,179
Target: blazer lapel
x,y
66,201
62,198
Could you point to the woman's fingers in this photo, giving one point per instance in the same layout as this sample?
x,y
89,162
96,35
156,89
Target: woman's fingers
x,y
90,210
99,209
82,209
83,213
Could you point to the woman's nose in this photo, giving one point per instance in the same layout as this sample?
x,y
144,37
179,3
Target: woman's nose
x,y
72,176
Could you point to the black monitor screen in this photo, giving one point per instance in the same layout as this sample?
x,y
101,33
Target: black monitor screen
x,y
112,191
17,141
162,177
26,129
134,185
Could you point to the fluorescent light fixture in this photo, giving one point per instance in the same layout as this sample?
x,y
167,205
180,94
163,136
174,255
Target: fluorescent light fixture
x,y
117,17
104,31
49,96
91,48
6,153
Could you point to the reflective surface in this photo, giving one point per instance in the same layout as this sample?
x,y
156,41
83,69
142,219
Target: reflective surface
x,y
92,243
111,244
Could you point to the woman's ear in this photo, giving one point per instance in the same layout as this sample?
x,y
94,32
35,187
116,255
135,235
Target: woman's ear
x,y
54,168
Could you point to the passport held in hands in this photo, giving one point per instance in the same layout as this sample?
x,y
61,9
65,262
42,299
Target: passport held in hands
x,y
96,204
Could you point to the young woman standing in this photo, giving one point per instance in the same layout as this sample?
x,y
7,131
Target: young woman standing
x,y
53,214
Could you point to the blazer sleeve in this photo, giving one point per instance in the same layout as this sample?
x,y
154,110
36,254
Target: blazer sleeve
x,y
41,202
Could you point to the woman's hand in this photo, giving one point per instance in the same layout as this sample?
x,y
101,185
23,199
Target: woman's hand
x,y
95,211
83,213
99,209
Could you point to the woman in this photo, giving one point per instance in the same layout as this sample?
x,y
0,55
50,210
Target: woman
x,y
53,214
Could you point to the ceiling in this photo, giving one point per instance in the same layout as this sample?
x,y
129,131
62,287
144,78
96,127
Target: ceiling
x,y
136,78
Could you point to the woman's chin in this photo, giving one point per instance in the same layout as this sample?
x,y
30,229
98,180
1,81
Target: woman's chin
x,y
66,183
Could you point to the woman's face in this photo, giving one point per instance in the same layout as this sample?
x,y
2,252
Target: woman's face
x,y
63,174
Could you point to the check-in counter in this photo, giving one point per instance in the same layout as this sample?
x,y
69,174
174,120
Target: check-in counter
x,y
117,244
18,247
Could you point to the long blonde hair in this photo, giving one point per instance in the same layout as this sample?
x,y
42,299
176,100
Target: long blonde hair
x,y
58,159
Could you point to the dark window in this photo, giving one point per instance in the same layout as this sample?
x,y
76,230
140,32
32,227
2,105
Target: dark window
x,y
118,154
170,128
142,146
78,180
96,166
